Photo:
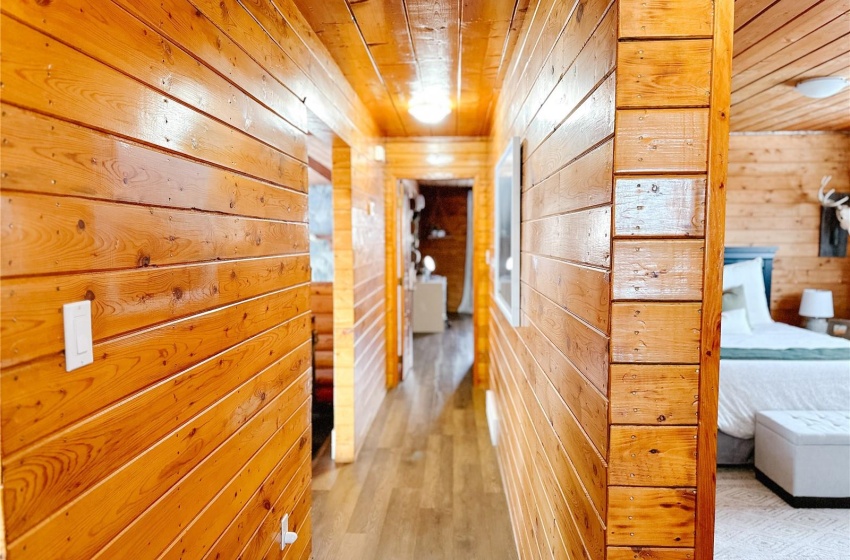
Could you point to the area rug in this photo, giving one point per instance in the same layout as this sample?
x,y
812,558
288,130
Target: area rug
x,y
753,523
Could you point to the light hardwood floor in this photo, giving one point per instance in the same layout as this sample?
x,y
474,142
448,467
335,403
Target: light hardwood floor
x,y
426,484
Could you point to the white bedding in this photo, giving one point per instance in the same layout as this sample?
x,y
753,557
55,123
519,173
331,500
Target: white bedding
x,y
748,386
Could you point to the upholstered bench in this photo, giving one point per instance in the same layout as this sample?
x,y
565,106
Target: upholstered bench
x,y
804,456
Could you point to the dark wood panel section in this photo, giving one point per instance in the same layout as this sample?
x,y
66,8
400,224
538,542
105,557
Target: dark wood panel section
x,y
321,302
446,209
783,172
154,163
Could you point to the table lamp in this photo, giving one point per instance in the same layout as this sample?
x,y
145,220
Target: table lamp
x,y
816,307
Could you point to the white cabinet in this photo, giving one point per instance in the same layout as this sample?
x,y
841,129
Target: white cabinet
x,y
429,305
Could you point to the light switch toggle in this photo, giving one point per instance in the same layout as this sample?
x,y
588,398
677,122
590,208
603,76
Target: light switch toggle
x,y
78,335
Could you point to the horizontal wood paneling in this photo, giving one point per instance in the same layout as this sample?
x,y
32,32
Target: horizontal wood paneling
x,y
669,165
657,270
550,374
649,394
650,456
651,516
772,200
661,18
563,236
667,333
584,291
673,73
662,140
359,353
650,553
660,206
154,163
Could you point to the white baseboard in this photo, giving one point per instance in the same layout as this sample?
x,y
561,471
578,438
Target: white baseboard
x,y
492,410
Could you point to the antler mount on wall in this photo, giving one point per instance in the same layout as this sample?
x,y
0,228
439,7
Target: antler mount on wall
x,y
834,221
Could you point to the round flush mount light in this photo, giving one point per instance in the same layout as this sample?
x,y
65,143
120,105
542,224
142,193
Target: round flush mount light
x,y
818,88
429,109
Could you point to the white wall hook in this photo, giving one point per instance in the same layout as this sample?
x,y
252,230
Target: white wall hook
x,y
286,536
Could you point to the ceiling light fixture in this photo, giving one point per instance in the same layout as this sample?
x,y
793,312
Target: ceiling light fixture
x,y
429,108
818,88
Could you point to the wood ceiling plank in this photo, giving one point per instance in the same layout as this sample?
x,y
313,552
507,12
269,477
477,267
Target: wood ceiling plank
x,y
799,112
775,99
485,28
822,21
384,29
333,24
833,117
771,19
834,30
778,44
790,71
746,10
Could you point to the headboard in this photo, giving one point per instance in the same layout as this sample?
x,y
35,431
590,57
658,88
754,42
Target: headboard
x,y
738,254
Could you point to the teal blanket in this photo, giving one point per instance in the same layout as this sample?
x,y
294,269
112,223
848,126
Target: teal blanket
x,y
785,354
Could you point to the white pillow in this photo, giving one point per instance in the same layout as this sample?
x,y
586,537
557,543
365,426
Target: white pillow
x,y
749,275
735,322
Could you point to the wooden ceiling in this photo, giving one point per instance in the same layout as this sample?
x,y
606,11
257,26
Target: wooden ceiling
x,y
390,50
778,43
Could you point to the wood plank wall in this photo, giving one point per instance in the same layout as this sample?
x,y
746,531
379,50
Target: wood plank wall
x,y
321,304
599,388
446,208
772,200
443,159
154,163
551,374
359,289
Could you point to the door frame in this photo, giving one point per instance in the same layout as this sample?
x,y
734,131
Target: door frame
x,y
443,159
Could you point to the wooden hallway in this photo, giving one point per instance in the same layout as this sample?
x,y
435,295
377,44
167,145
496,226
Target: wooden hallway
x,y
426,484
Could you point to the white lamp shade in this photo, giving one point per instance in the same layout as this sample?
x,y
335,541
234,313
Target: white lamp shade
x,y
816,304
431,266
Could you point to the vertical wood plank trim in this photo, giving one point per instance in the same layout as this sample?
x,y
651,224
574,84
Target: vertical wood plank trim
x,y
715,218
392,279
343,300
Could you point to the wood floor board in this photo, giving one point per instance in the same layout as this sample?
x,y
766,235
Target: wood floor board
x,y
426,483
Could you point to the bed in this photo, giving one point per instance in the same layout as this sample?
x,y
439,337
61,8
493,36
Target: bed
x,y
774,366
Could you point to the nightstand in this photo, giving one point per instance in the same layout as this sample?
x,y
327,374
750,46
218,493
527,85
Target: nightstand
x,y
839,328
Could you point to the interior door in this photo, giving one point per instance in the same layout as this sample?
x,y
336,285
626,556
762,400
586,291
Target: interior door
x,y
407,276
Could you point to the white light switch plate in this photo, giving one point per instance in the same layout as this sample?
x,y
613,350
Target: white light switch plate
x,y
78,336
